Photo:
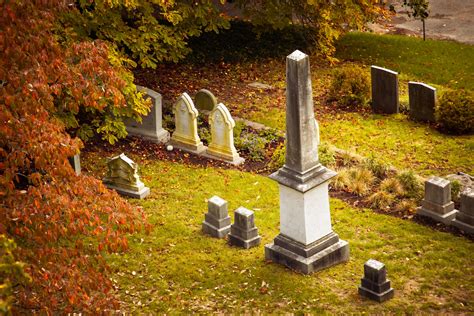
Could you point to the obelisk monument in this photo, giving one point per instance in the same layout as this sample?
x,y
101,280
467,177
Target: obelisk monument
x,y
306,242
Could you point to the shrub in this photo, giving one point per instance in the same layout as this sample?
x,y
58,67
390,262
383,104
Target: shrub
x,y
455,111
412,184
406,206
380,170
253,144
456,190
360,181
52,212
351,86
342,179
327,156
381,200
393,186
278,157
347,158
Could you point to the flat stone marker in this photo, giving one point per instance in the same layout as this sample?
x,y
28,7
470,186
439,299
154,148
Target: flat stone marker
x,y
384,90
422,101
437,203
374,284
306,242
464,219
151,125
222,136
75,162
122,177
205,100
243,232
185,135
217,220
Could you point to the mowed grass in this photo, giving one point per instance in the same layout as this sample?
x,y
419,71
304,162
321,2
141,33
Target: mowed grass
x,y
178,269
446,63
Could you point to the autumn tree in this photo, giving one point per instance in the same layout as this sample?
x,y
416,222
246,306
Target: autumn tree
x,y
327,19
45,208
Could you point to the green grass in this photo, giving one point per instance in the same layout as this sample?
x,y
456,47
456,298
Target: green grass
x,y
445,63
399,142
177,269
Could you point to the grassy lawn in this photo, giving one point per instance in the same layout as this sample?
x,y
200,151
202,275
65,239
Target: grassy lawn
x,y
446,63
178,269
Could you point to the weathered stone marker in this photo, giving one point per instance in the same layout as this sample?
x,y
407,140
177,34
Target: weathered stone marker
x,y
375,285
122,177
205,100
243,232
384,90
465,217
422,101
185,135
437,203
222,136
306,242
75,162
216,221
151,125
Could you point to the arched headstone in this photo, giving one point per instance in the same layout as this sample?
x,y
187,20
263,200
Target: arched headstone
x,y
185,135
122,177
222,136
205,100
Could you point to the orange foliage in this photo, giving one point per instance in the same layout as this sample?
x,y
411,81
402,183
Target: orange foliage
x,y
44,206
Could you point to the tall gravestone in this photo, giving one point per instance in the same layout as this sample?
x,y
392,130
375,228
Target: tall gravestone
x,y
205,100
437,203
464,219
222,136
151,125
122,176
306,242
384,90
422,101
186,135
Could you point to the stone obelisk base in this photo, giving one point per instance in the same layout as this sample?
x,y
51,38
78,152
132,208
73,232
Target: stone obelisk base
x,y
323,253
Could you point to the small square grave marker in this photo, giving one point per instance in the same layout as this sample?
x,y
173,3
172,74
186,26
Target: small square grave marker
x,y
243,232
374,284
216,221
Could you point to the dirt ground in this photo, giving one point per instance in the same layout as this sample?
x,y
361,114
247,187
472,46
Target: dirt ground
x,y
448,19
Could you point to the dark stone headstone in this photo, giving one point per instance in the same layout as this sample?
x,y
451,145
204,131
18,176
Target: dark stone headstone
x,y
216,221
374,284
384,90
75,162
465,217
243,232
205,100
422,101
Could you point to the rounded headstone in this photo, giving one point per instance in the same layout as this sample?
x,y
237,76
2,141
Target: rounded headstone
x,y
205,100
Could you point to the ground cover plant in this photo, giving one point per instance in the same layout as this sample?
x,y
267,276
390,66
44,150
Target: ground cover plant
x,y
178,269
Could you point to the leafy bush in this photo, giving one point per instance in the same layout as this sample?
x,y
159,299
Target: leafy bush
x,y
52,212
351,86
327,156
253,144
455,111
412,184
456,190
12,273
380,170
278,157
